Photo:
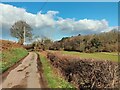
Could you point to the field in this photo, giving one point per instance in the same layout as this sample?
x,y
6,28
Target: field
x,y
98,55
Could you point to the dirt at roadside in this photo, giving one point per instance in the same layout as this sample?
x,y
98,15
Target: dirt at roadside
x,y
6,45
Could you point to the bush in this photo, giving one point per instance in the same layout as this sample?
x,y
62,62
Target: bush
x,y
87,73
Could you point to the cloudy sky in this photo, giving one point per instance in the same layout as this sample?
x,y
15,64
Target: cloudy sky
x,y
57,20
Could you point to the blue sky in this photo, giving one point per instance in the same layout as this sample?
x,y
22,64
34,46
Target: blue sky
x,y
77,11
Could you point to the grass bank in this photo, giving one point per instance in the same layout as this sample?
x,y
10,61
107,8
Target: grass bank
x,y
10,57
100,55
53,80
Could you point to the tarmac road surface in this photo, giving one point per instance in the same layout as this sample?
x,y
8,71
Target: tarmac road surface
x,y
25,75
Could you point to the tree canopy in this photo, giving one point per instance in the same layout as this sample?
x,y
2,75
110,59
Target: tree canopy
x,y
102,42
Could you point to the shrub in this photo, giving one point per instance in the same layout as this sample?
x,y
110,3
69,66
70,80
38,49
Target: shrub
x,y
86,73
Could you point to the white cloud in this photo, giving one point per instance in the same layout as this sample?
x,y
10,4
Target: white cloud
x,y
82,25
11,14
46,23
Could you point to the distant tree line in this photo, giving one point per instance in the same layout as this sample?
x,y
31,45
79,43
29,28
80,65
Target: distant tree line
x,y
40,44
103,42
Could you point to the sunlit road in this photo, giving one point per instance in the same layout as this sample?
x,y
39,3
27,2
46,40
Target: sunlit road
x,y
26,75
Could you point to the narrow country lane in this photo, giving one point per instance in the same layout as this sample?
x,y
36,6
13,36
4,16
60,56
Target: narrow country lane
x,y
25,75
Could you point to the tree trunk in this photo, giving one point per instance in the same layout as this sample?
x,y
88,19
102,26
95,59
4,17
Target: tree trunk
x,y
21,41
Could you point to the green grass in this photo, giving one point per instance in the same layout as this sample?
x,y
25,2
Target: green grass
x,y
54,81
100,55
10,57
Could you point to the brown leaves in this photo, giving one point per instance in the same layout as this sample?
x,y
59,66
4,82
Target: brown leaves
x,y
87,73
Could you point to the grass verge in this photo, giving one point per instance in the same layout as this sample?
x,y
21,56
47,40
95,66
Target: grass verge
x,y
53,80
10,57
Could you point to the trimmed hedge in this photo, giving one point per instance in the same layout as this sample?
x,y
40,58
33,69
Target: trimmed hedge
x,y
86,73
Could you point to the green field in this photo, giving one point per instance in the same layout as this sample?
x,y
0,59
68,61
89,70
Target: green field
x,y
10,57
99,56
54,81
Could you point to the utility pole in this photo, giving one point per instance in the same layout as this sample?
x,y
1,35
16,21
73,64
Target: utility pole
x,y
24,34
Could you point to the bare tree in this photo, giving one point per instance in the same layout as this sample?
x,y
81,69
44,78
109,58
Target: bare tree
x,y
22,31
